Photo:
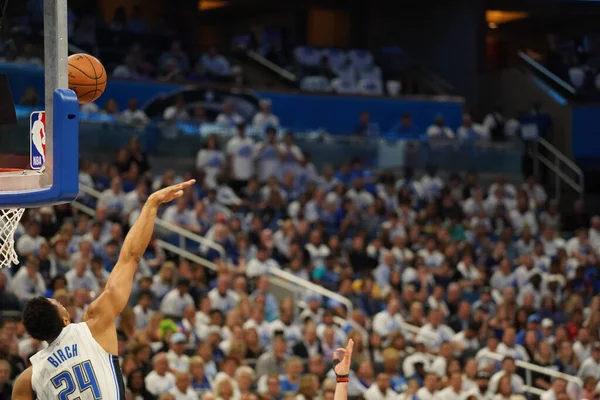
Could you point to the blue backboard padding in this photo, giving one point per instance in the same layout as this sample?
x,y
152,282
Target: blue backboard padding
x,y
65,185
336,114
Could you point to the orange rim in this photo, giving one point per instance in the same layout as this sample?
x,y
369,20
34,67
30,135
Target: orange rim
x,y
11,170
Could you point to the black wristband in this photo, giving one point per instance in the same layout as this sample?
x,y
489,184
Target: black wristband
x,y
344,377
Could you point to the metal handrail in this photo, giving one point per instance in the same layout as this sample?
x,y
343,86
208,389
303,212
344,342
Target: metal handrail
x,y
313,287
167,225
555,166
536,368
272,66
289,281
547,72
558,154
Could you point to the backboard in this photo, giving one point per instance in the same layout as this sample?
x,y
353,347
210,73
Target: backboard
x,y
53,178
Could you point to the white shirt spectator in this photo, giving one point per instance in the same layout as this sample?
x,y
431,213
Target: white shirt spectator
x,y
257,268
184,218
536,192
174,303
438,366
112,201
408,365
362,199
509,189
268,160
437,132
317,253
241,150
500,281
26,288
548,395
291,155
384,323
142,317
552,246
433,337
177,362
582,351
520,220
449,394
231,120
87,281
516,382
223,303
589,368
292,332
262,120
432,259
212,163
467,344
177,114
517,352
157,384
479,131
374,393
134,117
431,186
29,245
424,394
190,394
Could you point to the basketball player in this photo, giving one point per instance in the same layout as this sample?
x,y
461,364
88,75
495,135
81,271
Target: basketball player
x,y
81,361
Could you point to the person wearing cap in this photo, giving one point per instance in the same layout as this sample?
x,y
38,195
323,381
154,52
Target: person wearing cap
x,y
533,323
548,331
591,365
178,360
177,299
240,156
485,300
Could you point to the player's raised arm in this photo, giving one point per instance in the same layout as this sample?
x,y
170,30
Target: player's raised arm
x,y
341,367
118,286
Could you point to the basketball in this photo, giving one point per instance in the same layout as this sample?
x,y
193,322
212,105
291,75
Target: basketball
x,y
87,77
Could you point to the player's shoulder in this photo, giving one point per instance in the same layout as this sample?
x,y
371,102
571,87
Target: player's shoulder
x,y
22,389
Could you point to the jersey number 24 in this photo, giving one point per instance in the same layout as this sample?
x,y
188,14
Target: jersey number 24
x,y
83,376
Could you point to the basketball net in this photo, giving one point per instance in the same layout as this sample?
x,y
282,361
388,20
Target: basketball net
x,y
9,221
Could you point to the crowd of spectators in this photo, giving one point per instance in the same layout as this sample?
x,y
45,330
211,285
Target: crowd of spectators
x,y
442,273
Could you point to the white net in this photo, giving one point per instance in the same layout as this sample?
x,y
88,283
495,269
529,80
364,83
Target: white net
x,y
9,221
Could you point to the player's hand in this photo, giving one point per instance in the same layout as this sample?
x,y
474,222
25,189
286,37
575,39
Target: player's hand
x,y
169,193
343,368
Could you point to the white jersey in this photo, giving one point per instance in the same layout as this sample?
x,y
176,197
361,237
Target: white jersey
x,y
75,366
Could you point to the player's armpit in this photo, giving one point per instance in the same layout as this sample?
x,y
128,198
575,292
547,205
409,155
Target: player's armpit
x,y
22,389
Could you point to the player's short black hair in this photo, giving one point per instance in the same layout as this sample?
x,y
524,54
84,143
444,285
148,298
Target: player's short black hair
x,y
41,319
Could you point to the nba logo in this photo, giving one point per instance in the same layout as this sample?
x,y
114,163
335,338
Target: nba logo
x,y
37,132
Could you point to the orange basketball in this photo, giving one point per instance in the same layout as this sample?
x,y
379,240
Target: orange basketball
x,y
87,77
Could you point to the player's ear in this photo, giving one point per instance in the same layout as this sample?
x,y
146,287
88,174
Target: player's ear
x,y
66,321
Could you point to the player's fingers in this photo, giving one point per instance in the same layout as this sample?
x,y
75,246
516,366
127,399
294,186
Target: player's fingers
x,y
178,193
341,350
336,356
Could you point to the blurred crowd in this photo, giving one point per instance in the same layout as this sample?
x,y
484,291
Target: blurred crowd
x,y
452,284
